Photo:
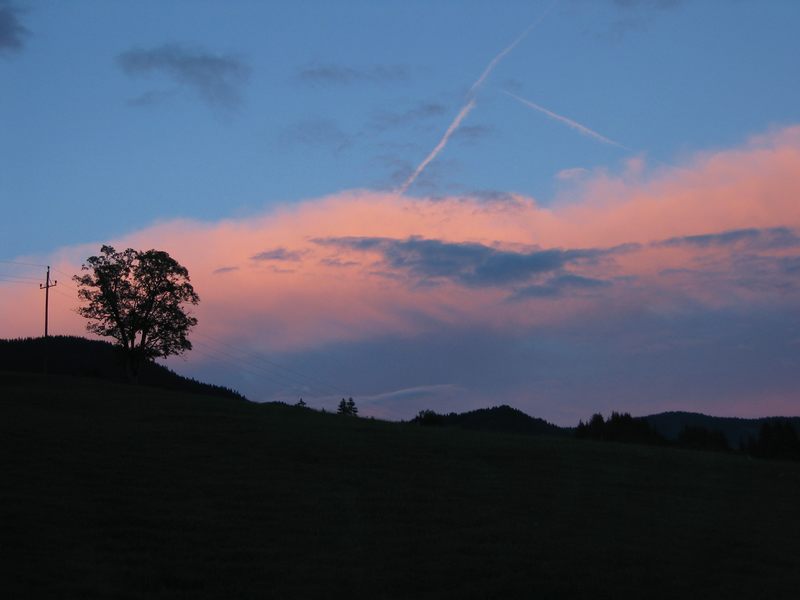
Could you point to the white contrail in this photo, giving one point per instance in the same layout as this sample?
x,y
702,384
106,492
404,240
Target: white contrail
x,y
471,102
439,147
569,122
490,67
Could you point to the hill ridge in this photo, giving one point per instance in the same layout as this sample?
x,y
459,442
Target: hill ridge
x,y
80,356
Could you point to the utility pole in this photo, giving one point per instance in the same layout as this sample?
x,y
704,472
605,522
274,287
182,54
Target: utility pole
x,y
46,287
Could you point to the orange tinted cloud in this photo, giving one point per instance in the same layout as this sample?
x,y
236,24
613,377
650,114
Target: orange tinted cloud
x,y
286,280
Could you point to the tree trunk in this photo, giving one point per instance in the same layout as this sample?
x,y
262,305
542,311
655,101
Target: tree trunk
x,y
132,366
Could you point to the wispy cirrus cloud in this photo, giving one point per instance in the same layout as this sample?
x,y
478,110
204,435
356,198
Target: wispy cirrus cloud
x,y
773,237
341,75
215,78
12,32
151,98
423,111
631,15
317,132
222,270
279,254
560,286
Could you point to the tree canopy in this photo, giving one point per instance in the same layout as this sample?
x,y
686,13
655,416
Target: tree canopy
x,y
137,298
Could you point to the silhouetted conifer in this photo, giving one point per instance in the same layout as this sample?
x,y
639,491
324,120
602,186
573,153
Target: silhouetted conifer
x,y
776,439
347,407
620,427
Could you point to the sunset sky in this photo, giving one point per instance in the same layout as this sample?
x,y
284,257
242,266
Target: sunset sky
x,y
569,207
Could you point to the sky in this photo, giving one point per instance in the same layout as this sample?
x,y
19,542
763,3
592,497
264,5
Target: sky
x,y
569,207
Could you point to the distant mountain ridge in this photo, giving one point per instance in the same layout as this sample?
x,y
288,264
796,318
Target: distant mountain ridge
x,y
670,425
737,430
504,418
78,356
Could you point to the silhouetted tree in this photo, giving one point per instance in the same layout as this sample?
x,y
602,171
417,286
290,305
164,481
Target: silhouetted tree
x,y
777,438
348,408
593,430
301,403
137,298
620,427
429,418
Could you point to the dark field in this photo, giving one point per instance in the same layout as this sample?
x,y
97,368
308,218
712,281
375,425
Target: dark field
x,y
114,491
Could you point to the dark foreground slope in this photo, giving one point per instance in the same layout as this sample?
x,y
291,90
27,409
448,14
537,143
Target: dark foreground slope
x,y
71,355
111,491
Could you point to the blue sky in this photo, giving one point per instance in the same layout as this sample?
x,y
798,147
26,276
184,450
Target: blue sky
x,y
90,151
264,144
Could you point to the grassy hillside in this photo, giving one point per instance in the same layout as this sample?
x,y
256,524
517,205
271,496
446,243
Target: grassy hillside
x,y
116,491
71,355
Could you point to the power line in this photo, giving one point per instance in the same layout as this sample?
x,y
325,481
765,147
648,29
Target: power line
x,y
255,362
19,277
19,262
66,295
65,274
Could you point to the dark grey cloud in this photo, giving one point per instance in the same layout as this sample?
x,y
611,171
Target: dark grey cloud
x,y
412,116
150,98
559,286
764,275
224,270
628,15
337,262
216,79
397,170
12,31
278,254
660,4
469,264
497,196
763,262
333,74
790,265
317,132
471,133
764,239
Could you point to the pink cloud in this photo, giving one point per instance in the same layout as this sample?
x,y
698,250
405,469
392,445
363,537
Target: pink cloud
x,y
303,294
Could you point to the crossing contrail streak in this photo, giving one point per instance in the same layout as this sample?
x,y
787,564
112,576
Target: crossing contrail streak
x,y
439,147
493,63
471,102
569,122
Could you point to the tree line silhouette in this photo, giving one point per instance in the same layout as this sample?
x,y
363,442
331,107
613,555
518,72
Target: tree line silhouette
x,y
777,438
